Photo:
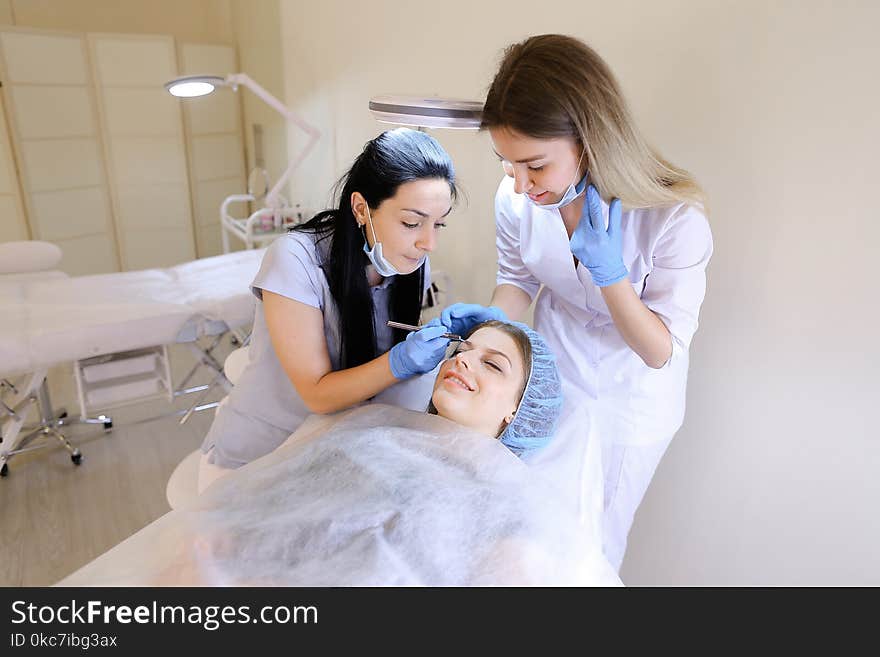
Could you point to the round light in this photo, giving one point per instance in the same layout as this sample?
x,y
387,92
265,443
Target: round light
x,y
427,112
190,86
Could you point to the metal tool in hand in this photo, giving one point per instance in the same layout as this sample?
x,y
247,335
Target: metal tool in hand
x,y
454,337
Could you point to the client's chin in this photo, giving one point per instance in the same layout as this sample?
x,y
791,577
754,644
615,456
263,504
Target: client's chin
x,y
444,400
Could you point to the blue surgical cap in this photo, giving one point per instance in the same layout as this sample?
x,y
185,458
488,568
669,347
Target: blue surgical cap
x,y
536,418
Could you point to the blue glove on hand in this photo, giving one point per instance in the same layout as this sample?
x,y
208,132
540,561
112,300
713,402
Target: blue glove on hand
x,y
599,250
421,352
462,317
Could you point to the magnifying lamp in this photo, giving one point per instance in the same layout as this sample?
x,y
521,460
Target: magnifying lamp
x,y
189,86
422,112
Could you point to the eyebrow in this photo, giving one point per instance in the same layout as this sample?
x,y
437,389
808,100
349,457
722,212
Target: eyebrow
x,y
423,215
491,351
525,160
500,353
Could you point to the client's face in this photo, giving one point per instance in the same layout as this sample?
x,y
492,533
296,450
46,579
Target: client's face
x,y
479,387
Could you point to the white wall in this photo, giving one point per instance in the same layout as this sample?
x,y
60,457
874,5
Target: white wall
x,y
258,38
774,106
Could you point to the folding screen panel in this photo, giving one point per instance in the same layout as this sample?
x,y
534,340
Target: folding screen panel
x,y
145,151
99,159
216,149
12,222
55,132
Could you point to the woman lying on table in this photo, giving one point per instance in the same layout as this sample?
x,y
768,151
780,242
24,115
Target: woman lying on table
x,y
381,495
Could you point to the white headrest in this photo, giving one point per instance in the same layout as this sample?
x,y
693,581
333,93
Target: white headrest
x,y
28,256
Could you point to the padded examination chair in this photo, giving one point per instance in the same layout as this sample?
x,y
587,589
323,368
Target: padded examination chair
x,y
21,261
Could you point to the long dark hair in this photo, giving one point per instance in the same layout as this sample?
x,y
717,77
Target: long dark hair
x,y
393,158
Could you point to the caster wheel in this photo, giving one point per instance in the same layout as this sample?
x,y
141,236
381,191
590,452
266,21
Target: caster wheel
x,y
4,471
76,458
62,415
108,425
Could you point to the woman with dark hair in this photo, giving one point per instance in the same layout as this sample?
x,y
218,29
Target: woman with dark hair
x,y
616,234
325,292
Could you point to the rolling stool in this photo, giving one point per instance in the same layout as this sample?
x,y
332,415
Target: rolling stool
x,y
183,484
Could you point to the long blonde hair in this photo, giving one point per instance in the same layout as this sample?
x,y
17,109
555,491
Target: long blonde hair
x,y
552,86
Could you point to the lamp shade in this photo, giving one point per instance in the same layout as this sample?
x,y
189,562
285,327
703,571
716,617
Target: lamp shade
x,y
427,112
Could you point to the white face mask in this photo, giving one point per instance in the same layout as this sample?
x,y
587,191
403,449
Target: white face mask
x,y
377,258
570,194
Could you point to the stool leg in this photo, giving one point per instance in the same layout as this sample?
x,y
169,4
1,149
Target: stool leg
x,y
46,428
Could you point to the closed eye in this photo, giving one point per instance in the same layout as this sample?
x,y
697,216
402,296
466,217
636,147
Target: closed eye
x,y
492,365
410,225
536,168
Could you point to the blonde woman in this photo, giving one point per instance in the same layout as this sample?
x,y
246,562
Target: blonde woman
x,y
619,239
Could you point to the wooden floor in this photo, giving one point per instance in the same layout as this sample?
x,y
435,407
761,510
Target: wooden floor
x,y
56,517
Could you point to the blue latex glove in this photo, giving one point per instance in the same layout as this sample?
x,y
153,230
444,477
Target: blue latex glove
x,y
462,317
599,250
421,352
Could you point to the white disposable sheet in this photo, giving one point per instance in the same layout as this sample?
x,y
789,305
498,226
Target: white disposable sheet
x,y
46,321
374,496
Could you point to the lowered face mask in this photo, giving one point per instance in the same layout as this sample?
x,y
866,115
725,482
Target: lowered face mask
x,y
377,258
573,191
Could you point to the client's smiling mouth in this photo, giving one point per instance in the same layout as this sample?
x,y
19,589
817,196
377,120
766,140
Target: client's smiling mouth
x,y
458,380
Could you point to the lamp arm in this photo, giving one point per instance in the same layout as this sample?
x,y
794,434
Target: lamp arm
x,y
272,198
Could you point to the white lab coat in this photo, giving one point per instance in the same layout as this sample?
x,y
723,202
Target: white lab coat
x,y
634,410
